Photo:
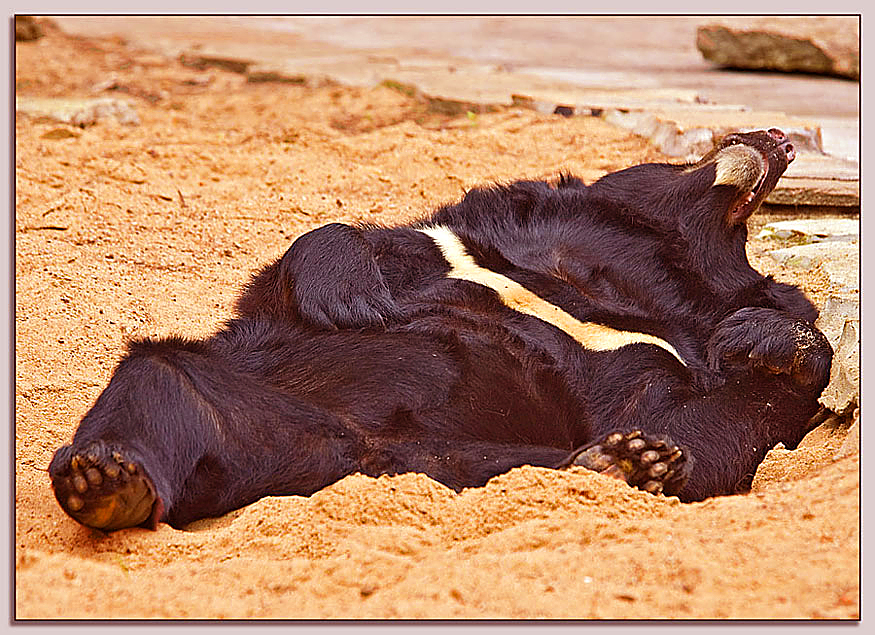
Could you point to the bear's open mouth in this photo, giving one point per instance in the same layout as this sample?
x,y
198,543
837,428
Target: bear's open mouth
x,y
751,201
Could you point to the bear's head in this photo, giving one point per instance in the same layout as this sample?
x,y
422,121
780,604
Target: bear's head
x,y
746,167
714,195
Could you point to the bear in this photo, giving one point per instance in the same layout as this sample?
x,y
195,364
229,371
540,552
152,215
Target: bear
x,y
617,326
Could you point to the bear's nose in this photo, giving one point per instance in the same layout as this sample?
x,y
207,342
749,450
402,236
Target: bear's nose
x,y
783,142
777,135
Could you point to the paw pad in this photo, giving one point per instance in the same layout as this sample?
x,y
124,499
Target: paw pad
x,y
646,461
104,489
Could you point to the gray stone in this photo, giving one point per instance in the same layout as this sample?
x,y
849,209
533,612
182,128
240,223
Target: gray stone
x,y
806,45
829,194
817,179
104,108
665,134
844,273
820,196
837,310
689,131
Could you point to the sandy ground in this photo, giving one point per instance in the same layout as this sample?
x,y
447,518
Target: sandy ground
x,y
150,230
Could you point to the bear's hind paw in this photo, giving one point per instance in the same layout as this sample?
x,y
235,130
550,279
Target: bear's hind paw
x,y
648,462
102,488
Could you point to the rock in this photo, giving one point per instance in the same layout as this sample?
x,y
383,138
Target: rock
x,y
839,196
78,112
202,61
103,108
837,310
851,444
689,131
665,134
842,394
265,74
27,29
840,323
812,230
844,273
826,46
818,179
843,258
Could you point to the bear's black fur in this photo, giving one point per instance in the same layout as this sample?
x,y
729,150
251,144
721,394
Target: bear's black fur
x,y
362,349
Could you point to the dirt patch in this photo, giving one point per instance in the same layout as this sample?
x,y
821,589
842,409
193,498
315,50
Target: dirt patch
x,y
147,230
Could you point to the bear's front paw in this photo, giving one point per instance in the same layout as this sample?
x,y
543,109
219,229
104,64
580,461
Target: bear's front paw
x,y
774,342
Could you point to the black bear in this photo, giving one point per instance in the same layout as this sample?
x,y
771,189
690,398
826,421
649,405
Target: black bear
x,y
616,325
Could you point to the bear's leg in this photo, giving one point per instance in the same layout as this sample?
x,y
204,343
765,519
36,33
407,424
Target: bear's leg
x,y
650,462
328,278
135,447
769,368
727,431
178,436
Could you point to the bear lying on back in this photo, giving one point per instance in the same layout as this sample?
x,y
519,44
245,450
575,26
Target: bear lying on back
x,y
618,326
